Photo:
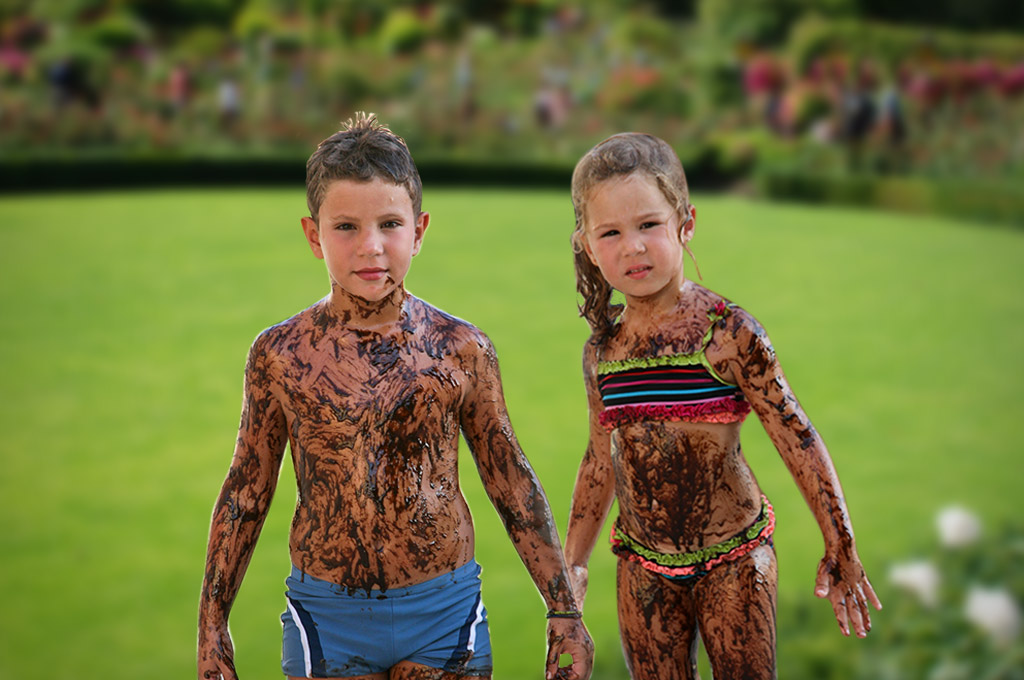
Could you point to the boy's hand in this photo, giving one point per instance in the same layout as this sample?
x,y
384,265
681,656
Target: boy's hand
x,y
216,656
569,636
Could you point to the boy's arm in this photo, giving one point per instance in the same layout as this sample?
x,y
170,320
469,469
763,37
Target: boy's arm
x,y
594,492
239,513
517,495
755,368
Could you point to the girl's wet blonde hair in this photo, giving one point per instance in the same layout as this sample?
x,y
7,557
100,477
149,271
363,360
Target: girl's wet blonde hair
x,y
618,156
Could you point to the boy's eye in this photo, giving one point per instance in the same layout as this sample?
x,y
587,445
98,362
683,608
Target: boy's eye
x,y
391,224
344,226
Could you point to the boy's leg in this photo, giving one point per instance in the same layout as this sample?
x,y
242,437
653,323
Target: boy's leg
x,y
407,670
658,624
736,613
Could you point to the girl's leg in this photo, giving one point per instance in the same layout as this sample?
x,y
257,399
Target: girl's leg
x,y
736,612
657,624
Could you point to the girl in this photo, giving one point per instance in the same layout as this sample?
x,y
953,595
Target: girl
x,y
670,377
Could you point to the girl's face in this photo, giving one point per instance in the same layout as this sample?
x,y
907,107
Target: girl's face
x,y
632,234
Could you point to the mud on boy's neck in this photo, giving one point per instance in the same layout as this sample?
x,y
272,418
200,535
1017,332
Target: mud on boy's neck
x,y
356,313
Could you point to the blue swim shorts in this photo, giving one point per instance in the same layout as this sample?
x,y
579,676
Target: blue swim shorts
x,y
334,631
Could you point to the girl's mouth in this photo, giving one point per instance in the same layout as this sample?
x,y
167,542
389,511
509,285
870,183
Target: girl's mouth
x,y
638,272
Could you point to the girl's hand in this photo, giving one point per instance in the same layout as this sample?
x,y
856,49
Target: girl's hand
x,y
578,578
842,580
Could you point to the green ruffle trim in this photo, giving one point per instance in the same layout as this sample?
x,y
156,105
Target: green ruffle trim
x,y
698,359
715,314
702,555
649,362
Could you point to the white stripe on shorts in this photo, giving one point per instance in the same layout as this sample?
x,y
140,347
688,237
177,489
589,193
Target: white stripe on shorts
x,y
472,630
305,639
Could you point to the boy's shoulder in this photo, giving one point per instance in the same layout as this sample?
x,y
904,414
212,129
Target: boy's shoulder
x,y
277,338
433,323
298,322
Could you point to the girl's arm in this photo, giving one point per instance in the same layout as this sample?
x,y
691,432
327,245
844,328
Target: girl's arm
x,y
239,513
747,355
594,492
517,495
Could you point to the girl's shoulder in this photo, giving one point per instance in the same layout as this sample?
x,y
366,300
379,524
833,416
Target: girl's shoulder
x,y
593,349
736,335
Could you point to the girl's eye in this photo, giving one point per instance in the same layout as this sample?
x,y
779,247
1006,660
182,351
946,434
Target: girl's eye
x,y
648,225
610,232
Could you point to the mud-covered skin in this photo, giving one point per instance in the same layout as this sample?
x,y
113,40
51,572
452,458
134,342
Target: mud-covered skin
x,y
737,595
372,405
682,486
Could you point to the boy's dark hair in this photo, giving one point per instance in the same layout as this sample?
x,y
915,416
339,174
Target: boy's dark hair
x,y
619,155
364,149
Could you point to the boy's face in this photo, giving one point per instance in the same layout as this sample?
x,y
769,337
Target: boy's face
x,y
367,235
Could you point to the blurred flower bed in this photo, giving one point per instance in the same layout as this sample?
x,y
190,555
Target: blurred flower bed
x,y
802,97
954,612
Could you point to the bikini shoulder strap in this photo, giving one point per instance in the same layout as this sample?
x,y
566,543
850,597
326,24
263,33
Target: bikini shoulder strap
x,y
716,313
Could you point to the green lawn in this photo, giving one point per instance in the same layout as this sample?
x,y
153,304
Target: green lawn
x,y
126,318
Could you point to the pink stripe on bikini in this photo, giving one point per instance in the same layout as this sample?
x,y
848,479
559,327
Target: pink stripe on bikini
x,y
688,402
696,368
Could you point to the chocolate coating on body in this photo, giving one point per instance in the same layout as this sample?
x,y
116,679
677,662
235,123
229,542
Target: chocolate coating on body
x,y
683,486
373,419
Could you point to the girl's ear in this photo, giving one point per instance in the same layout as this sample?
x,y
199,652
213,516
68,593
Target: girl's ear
x,y
687,229
312,233
588,251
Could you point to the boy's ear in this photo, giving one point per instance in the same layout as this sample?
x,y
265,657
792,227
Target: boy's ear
x,y
422,222
312,233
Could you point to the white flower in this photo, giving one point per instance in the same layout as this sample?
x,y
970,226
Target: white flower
x,y
958,527
995,611
920,578
949,669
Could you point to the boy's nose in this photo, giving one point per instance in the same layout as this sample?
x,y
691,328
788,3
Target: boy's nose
x,y
371,244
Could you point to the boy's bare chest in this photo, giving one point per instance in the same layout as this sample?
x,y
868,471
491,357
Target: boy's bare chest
x,y
373,382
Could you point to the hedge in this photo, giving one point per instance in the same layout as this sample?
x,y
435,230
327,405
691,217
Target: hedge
x,y
705,167
989,199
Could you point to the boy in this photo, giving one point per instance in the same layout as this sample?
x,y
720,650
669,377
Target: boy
x,y
371,386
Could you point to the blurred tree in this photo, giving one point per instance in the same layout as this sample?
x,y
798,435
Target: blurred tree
x,y
763,24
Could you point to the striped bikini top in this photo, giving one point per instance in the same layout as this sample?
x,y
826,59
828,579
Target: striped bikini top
x,y
680,387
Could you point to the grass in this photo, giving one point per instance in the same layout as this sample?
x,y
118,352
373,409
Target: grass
x,y
126,317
